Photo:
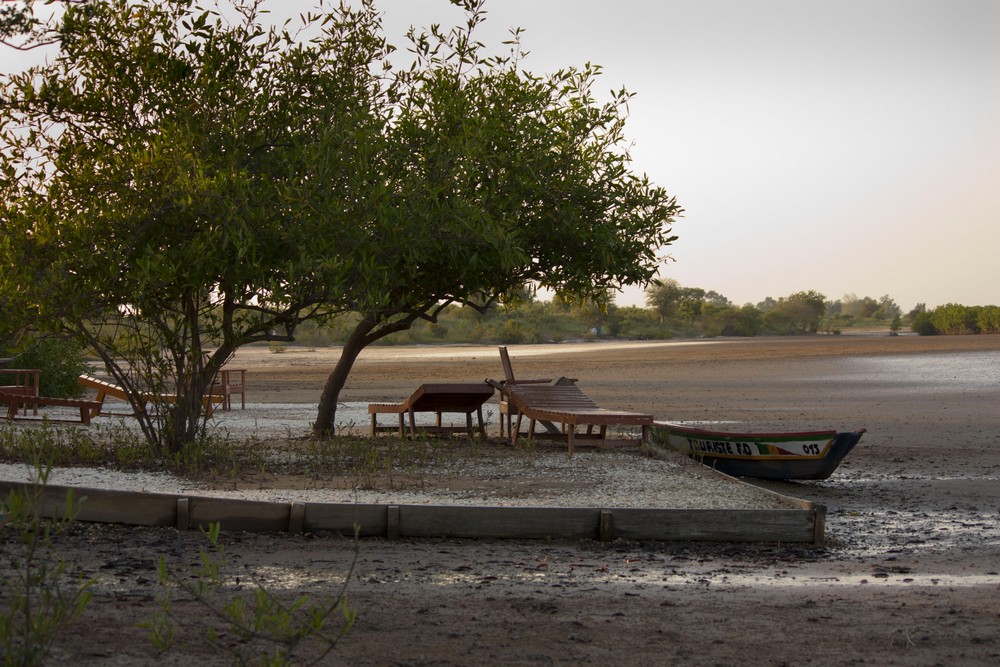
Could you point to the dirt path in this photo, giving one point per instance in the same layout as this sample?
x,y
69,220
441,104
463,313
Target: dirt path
x,y
910,577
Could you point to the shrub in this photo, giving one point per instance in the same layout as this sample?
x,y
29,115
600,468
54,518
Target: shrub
x,y
259,627
989,320
923,324
38,597
516,333
953,318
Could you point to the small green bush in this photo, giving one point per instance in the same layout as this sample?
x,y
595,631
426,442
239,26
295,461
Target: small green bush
x,y
39,598
244,621
923,324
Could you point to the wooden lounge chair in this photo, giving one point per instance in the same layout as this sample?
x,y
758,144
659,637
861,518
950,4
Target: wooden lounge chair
x,y
437,398
105,389
566,404
507,413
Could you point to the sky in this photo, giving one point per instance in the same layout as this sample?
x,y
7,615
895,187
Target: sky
x,y
847,147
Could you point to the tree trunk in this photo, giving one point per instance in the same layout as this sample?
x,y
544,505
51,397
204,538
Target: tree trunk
x,y
327,415
184,416
369,329
187,416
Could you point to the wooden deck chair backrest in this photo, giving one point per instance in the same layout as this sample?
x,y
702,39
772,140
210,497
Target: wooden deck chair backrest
x,y
508,373
25,380
508,370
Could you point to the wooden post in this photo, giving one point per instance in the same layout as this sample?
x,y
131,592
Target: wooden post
x,y
183,513
296,517
606,530
392,522
819,525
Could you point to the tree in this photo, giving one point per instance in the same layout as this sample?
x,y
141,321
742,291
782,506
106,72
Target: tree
x,y
175,185
767,305
988,321
671,300
691,303
863,308
664,297
954,318
495,178
713,298
922,323
728,320
18,24
887,309
800,312
598,315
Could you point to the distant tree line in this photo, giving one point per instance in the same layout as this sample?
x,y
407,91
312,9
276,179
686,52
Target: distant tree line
x,y
953,318
694,311
675,311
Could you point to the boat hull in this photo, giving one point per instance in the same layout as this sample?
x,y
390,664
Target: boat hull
x,y
803,455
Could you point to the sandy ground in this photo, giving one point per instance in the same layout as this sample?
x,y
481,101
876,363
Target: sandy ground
x,y
911,574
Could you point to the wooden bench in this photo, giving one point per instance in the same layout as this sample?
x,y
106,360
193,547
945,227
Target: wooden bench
x,y
88,409
25,381
437,398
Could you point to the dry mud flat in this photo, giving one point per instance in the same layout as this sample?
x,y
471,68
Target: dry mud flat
x,y
911,575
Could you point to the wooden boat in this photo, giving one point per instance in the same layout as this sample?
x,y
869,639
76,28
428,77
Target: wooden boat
x,y
805,455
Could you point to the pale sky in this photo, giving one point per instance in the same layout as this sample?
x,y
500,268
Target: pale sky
x,y
847,146
842,146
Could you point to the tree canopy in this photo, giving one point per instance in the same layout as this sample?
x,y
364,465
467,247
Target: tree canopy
x,y
176,184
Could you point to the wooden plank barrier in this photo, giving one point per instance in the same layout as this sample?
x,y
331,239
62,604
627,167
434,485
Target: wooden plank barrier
x,y
802,523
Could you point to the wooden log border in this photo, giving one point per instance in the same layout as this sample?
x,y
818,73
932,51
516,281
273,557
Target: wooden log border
x,y
802,522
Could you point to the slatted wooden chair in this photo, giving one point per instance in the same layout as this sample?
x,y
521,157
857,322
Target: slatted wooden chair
x,y
24,394
231,381
566,404
22,382
439,398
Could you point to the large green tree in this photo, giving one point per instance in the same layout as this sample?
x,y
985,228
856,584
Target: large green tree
x,y
496,178
178,183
